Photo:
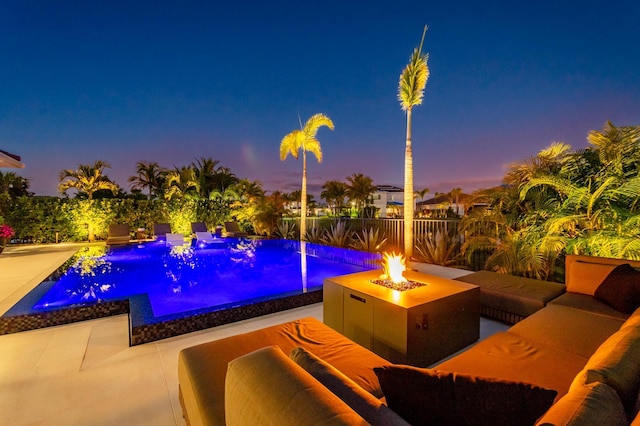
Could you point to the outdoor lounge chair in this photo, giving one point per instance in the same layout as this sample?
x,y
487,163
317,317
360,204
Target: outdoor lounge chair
x,y
205,237
175,239
118,234
198,227
160,230
231,229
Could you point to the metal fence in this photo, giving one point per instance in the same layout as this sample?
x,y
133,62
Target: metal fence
x,y
393,229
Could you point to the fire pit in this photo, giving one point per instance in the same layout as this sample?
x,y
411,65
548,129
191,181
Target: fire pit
x,y
393,266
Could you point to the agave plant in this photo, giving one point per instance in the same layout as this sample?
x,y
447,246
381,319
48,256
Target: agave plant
x,y
371,240
315,235
339,235
286,230
438,248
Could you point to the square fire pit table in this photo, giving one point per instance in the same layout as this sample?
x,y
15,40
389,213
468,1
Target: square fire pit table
x,y
418,327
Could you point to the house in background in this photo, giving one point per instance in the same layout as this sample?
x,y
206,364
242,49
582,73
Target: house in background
x,y
443,205
389,200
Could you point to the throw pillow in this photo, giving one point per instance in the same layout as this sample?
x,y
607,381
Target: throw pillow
x,y
621,289
362,402
425,396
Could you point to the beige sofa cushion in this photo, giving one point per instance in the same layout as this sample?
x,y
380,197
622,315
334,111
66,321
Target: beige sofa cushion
x,y
616,363
266,387
586,277
362,402
581,333
508,356
202,368
593,404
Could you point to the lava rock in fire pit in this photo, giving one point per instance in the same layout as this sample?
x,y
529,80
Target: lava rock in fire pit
x,y
401,286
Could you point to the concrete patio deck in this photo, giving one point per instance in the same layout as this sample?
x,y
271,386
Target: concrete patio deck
x,y
86,373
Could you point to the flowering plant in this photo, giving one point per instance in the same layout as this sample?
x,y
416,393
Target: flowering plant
x,y
6,231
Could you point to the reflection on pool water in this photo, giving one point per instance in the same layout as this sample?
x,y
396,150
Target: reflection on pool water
x,y
180,279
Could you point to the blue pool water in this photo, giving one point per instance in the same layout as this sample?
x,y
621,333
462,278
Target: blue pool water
x,y
195,277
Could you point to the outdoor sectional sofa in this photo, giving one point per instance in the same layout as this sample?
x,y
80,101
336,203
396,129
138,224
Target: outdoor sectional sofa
x,y
577,355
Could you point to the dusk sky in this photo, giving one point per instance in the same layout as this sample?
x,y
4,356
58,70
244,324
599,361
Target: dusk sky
x,y
164,81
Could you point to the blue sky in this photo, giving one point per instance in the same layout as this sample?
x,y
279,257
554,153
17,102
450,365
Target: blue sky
x,y
173,81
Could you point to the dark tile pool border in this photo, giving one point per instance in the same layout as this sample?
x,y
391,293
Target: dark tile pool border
x,y
140,333
26,322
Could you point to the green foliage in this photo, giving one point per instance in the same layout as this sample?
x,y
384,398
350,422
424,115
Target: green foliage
x,y
561,203
370,240
339,235
315,235
438,248
286,230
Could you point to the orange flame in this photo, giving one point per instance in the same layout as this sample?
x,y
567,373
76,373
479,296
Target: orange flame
x,y
393,266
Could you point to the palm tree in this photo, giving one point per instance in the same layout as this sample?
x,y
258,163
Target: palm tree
x,y
360,188
421,193
13,185
205,172
181,182
88,178
455,197
334,192
410,93
305,140
224,178
149,175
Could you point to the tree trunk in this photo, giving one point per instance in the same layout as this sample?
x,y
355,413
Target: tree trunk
x,y
303,198
408,192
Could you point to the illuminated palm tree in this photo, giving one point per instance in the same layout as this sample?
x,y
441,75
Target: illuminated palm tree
x,y
181,183
149,175
410,93
305,140
88,178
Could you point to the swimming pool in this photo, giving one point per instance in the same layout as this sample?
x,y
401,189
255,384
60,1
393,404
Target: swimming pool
x,y
163,283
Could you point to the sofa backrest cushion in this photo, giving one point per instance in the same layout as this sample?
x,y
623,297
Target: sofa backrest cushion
x,y
426,396
593,404
586,277
266,387
621,289
616,363
361,401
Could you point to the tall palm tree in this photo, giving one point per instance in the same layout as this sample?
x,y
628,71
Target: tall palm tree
x,y
88,178
360,188
410,93
334,192
149,175
305,140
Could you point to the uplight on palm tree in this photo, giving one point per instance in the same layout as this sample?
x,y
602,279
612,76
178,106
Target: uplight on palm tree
x,y
410,93
305,140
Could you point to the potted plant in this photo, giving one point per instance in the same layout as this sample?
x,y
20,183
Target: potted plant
x,y
6,232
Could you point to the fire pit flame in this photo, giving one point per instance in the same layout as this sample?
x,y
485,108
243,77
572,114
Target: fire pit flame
x,y
393,267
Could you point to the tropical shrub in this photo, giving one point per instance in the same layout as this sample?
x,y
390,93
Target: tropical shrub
x,y
338,235
438,248
286,230
315,235
371,240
